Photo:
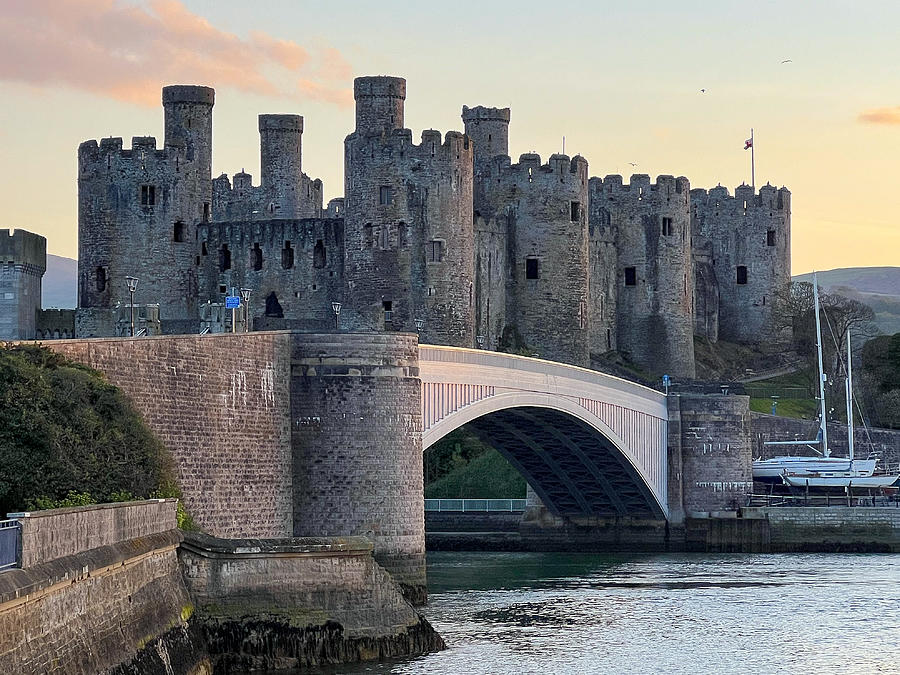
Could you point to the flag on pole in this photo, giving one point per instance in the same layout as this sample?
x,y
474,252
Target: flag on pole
x,y
748,144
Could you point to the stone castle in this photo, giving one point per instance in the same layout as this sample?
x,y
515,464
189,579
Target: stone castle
x,y
445,235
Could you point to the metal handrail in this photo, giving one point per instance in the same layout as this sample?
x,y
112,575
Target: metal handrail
x,y
476,505
10,548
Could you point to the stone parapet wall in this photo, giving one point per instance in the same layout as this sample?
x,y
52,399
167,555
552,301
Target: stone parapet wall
x,y
57,533
220,404
831,528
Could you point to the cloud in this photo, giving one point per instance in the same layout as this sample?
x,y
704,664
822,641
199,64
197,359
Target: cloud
x,y
881,115
128,52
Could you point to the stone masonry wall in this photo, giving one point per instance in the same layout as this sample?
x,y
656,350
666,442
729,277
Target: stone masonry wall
x,y
831,528
48,535
220,404
93,609
23,260
715,452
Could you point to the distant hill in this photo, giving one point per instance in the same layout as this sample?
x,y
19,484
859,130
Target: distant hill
x,y
878,287
60,285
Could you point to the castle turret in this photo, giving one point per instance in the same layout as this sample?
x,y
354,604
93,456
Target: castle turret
x,y
654,270
188,122
750,248
280,142
489,130
379,103
23,261
409,242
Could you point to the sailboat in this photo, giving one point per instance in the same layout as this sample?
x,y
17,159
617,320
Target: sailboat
x,y
823,469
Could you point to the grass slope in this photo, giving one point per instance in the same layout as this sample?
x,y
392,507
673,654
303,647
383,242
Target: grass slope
x,y
487,476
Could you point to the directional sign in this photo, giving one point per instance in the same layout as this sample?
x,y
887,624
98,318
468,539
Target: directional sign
x,y
232,302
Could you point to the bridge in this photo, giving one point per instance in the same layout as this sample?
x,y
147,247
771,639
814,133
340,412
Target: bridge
x,y
588,443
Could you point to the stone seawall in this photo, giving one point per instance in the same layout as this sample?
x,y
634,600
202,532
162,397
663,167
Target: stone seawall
x,y
832,528
220,404
116,605
293,603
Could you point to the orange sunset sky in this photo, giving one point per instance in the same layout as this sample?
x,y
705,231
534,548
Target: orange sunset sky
x,y
621,81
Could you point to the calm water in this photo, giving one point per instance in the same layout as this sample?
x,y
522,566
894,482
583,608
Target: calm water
x,y
517,613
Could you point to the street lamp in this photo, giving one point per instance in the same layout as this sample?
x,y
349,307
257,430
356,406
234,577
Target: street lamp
x,y
336,308
480,340
245,299
132,287
420,324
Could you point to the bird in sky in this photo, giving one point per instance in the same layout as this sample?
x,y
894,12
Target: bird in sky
x,y
633,163
703,91
788,61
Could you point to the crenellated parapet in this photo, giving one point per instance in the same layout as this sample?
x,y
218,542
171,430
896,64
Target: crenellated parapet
x,y
23,261
239,199
749,237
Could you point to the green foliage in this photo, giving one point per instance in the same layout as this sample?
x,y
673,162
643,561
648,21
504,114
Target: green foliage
x,y
68,437
804,409
461,465
73,498
881,380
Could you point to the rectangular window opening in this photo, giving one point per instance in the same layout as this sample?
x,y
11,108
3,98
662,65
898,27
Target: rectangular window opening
x,y
667,228
435,250
148,195
770,238
631,276
388,308
385,196
575,211
532,268
741,275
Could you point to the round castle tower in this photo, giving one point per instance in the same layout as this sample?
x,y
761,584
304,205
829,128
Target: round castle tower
x,y
750,236
603,271
280,145
544,208
654,270
408,235
138,211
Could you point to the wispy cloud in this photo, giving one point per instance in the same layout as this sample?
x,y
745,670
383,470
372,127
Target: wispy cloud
x,y
881,115
127,52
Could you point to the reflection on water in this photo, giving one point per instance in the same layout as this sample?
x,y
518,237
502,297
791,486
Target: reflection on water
x,y
518,613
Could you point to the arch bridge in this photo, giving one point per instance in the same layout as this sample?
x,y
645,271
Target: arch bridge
x,y
589,444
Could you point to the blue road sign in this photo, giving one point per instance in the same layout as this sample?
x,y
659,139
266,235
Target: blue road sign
x,y
232,302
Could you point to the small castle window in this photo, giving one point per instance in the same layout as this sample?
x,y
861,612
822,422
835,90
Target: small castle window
x,y
101,279
431,291
667,227
273,307
206,212
384,239
741,275
222,289
319,254
203,250
224,258
368,241
388,308
770,238
148,195
532,268
287,256
256,257
575,211
435,251
631,276
178,232
608,339
385,196
403,235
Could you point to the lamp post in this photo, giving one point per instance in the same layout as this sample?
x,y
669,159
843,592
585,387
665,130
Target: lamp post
x,y
336,308
420,324
132,287
480,340
245,300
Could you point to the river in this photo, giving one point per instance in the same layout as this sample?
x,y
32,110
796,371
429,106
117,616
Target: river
x,y
549,613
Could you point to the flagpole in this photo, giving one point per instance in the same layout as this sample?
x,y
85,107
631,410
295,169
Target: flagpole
x,y
752,162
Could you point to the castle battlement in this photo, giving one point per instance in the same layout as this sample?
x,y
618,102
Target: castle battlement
x,y
640,188
768,198
143,151
398,145
20,247
482,113
529,169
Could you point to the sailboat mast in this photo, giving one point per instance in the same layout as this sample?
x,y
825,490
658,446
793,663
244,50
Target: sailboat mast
x,y
849,401
823,425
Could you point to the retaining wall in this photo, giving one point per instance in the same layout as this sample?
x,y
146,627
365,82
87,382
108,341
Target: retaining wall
x,y
831,528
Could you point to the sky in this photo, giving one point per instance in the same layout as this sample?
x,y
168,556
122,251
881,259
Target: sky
x,y
621,81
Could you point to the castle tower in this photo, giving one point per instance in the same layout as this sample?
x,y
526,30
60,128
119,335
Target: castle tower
x,y
280,141
654,280
379,103
138,211
489,130
23,261
545,212
750,237
408,235
603,271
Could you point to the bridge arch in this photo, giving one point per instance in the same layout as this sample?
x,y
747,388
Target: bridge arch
x,y
587,443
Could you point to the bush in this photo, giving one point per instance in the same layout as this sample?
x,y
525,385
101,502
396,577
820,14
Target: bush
x,y
69,438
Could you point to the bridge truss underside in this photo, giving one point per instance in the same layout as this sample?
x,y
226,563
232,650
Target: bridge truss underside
x,y
571,466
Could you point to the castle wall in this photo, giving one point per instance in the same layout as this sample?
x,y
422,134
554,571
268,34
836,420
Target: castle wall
x,y
491,276
602,272
750,232
408,234
654,315
23,261
301,267
706,289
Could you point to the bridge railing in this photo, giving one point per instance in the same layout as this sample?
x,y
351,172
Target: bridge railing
x,y
475,505
10,548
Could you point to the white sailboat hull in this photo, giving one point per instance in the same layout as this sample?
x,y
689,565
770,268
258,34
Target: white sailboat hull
x,y
840,481
774,468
